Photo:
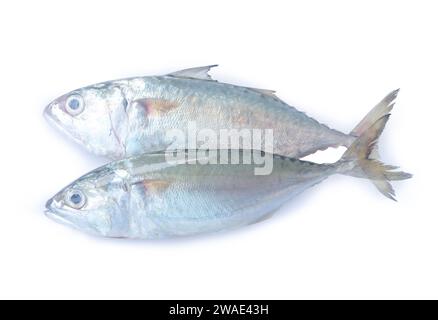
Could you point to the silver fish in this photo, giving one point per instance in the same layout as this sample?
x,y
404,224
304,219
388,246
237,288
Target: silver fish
x,y
128,117
150,196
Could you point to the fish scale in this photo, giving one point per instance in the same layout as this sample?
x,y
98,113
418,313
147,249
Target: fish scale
x,y
128,117
149,194
158,196
221,106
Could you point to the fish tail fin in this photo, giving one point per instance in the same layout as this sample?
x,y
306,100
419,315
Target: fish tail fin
x,y
356,160
383,108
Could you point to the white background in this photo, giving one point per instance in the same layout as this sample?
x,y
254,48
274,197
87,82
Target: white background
x,y
332,59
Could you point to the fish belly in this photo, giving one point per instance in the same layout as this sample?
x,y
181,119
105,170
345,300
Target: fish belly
x,y
209,198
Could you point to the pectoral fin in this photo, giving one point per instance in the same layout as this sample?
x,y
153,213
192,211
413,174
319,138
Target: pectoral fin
x,y
156,106
156,186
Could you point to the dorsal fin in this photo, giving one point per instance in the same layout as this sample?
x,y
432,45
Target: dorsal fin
x,y
200,73
266,92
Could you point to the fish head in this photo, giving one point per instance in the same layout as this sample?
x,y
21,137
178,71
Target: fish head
x,y
93,204
94,117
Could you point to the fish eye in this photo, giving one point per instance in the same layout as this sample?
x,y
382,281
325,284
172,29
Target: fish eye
x,y
75,199
74,104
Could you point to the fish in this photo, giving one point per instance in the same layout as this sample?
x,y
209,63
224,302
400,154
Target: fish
x,y
124,118
190,192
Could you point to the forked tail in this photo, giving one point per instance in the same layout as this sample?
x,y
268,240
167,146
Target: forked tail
x,y
357,162
383,108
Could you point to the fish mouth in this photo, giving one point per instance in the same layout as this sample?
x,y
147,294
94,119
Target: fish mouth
x,y
48,115
49,204
57,218
55,214
47,109
64,217
56,123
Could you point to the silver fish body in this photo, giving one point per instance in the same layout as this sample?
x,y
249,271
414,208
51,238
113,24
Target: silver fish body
x,y
159,195
129,117
150,197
